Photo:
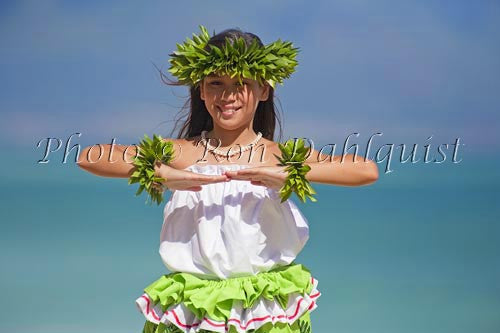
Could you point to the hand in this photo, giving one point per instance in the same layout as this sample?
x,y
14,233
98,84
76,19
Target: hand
x,y
271,176
183,180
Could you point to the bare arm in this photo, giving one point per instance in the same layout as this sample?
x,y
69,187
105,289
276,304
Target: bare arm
x,y
352,171
111,161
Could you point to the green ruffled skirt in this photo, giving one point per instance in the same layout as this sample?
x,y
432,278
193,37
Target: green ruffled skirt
x,y
276,301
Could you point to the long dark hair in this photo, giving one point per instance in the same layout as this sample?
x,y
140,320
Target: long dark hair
x,y
198,119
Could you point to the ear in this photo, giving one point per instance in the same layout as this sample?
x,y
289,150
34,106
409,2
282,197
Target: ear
x,y
202,91
264,93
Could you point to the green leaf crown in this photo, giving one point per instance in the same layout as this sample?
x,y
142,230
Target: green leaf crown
x,y
193,60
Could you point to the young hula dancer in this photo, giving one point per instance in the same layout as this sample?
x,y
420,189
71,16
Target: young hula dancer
x,y
230,236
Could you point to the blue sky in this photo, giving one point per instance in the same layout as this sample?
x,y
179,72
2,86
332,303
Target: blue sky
x,y
408,69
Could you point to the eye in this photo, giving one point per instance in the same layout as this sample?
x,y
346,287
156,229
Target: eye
x,y
214,83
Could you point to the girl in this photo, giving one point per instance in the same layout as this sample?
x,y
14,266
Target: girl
x,y
227,238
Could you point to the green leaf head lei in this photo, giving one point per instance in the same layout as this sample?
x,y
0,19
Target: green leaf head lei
x,y
196,58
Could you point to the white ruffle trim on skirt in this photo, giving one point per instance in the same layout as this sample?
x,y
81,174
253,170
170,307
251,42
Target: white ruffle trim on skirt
x,y
262,312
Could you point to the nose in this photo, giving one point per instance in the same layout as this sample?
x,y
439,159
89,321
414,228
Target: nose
x,y
229,94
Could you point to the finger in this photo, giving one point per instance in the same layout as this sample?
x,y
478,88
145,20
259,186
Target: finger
x,y
245,172
195,188
240,176
210,179
192,188
206,182
221,178
256,182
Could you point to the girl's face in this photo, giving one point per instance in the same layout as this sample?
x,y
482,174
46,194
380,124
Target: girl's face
x,y
231,104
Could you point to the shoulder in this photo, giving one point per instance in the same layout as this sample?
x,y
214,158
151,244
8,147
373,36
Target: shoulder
x,y
271,146
188,143
185,151
270,149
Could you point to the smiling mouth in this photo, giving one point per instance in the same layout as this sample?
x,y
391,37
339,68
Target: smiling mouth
x,y
227,111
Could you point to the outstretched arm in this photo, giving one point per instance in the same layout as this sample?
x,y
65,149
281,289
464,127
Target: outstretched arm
x,y
117,163
352,170
346,173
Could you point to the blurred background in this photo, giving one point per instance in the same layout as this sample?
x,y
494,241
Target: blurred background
x,y
418,251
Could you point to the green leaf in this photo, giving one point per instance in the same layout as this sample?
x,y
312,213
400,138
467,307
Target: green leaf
x,y
150,151
191,62
293,154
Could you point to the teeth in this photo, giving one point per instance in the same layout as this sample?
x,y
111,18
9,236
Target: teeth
x,y
228,110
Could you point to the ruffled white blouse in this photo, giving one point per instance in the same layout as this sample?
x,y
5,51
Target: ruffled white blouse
x,y
230,229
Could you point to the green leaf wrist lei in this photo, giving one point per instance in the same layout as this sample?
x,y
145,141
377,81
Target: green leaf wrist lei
x,y
150,152
293,156
191,62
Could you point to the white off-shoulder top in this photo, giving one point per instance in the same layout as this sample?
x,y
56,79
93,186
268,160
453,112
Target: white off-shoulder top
x,y
230,229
